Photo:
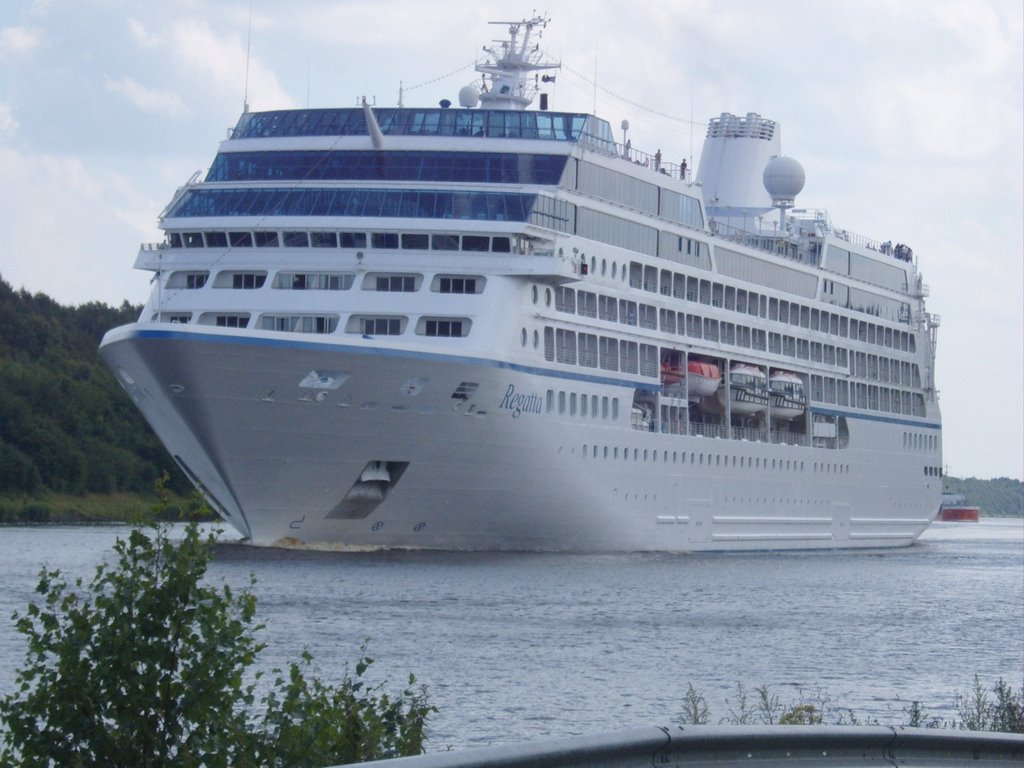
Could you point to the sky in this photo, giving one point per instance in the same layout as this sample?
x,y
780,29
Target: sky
x,y
907,116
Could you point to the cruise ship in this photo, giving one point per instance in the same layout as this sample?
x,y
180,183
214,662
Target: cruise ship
x,y
496,327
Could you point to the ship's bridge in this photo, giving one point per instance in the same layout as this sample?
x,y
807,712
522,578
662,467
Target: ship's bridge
x,y
396,121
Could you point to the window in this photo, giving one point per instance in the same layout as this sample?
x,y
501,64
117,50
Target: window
x,y
311,281
384,239
565,346
565,299
240,239
607,308
266,240
444,242
195,280
476,243
216,239
588,350
629,356
587,304
416,241
299,323
248,280
231,321
648,316
627,312
380,326
396,283
296,240
444,328
609,353
323,239
352,239
668,320
458,284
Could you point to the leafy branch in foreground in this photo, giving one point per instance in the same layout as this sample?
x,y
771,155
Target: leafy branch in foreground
x,y
145,666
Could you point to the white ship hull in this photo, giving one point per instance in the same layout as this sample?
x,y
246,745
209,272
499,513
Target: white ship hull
x,y
494,471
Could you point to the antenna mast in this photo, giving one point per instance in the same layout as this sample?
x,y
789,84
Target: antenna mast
x,y
248,43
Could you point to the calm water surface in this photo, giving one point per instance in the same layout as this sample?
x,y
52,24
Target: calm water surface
x,y
527,646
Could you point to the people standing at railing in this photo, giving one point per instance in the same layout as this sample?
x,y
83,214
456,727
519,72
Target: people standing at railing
x,y
657,160
682,170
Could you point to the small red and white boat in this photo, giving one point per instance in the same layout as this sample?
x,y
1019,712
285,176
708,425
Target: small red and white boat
x,y
955,510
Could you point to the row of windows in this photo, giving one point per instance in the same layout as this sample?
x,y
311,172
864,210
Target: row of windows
x,y
325,324
696,459
610,354
695,289
637,194
870,397
592,351
862,365
330,281
581,404
918,441
334,239
334,165
419,204
558,126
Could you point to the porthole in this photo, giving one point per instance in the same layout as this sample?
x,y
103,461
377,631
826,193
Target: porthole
x,y
535,294
547,297
536,339
593,265
604,266
615,267
523,337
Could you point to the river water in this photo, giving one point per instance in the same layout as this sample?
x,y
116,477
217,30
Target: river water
x,y
531,646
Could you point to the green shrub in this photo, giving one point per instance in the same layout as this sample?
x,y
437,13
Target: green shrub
x,y
145,666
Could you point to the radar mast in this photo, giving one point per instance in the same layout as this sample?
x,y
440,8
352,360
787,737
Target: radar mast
x,y
507,81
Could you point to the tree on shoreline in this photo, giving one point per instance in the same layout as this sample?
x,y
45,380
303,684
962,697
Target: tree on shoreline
x,y
145,666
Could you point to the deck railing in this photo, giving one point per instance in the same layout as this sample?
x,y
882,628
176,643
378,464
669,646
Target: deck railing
x,y
764,746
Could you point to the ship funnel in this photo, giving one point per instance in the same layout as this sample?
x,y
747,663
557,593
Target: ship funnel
x,y
732,162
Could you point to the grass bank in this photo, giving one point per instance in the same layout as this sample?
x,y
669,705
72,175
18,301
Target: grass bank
x,y
88,508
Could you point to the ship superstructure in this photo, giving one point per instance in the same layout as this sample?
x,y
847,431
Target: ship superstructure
x,y
490,327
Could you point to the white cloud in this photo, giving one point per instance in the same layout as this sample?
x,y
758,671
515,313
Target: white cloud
x,y
8,125
18,40
222,61
141,35
150,101
65,227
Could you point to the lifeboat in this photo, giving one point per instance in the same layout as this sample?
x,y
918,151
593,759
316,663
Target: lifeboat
x,y
786,395
702,379
747,387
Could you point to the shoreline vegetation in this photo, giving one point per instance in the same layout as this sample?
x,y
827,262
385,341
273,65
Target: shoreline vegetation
x,y
149,664
997,709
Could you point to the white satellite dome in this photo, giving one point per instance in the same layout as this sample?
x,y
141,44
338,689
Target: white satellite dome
x,y
784,179
469,96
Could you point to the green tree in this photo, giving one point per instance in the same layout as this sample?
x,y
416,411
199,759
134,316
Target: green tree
x,y
146,666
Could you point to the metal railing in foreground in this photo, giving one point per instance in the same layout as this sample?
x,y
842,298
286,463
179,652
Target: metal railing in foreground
x,y
782,746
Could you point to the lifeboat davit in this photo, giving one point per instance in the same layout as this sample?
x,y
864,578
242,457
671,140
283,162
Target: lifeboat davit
x,y
702,379
786,393
747,387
